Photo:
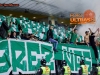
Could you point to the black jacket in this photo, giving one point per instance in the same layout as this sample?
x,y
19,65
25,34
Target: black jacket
x,y
49,34
3,29
92,40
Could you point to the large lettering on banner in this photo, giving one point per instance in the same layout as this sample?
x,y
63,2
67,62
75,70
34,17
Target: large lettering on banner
x,y
28,54
24,56
74,55
68,56
5,65
19,59
33,56
48,55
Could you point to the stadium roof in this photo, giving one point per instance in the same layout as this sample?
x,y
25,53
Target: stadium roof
x,y
60,8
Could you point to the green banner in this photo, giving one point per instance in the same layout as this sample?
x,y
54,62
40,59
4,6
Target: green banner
x,y
24,56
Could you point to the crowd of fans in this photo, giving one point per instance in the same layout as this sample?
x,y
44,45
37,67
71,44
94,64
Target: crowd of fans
x,y
65,35
48,33
53,35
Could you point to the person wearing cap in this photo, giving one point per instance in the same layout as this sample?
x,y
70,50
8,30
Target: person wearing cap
x,y
44,69
83,68
65,70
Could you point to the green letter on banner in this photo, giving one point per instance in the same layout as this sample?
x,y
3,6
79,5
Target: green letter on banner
x,y
77,58
4,57
48,55
18,56
68,56
33,56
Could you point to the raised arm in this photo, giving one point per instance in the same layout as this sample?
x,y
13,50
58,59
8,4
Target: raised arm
x,y
97,33
97,30
90,31
74,28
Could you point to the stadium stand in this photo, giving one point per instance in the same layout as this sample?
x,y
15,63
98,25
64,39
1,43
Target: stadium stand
x,y
49,37
23,28
38,29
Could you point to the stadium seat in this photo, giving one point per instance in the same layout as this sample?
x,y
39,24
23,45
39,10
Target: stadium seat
x,y
14,28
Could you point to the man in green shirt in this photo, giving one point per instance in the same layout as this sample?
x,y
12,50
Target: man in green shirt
x,y
73,35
